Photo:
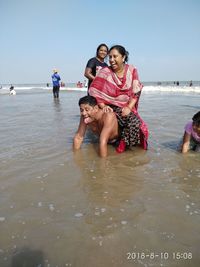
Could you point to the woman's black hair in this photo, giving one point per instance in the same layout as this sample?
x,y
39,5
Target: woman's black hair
x,y
196,119
121,50
98,48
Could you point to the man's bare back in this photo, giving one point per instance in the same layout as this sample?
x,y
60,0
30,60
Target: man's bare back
x,y
97,126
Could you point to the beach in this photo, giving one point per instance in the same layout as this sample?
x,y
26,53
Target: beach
x,y
60,208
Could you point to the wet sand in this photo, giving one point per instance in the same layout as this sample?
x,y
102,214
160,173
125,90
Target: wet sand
x,y
60,208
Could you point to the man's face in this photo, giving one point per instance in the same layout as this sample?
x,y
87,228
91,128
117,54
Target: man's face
x,y
87,111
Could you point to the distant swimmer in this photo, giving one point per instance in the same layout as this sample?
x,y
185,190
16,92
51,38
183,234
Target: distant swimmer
x,y
85,84
12,91
190,83
79,84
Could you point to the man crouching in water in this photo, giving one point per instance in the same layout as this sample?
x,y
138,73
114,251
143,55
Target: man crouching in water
x,y
103,124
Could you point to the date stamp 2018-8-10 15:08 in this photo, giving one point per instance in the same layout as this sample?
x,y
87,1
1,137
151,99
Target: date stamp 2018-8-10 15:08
x,y
175,255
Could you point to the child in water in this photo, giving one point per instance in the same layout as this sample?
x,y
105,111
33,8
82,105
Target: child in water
x,y
191,138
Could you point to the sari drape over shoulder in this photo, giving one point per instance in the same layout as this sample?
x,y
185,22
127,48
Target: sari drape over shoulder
x,y
107,88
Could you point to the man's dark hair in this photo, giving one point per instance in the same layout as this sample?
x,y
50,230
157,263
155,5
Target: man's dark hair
x,y
88,99
196,119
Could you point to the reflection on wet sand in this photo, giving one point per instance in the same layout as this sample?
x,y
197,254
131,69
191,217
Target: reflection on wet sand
x,y
57,104
110,188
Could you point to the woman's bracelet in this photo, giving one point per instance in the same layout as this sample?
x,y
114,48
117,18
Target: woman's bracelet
x,y
128,107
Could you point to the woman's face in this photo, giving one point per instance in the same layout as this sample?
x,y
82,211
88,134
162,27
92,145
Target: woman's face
x,y
116,60
102,52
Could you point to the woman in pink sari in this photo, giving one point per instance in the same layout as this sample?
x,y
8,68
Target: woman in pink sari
x,y
117,88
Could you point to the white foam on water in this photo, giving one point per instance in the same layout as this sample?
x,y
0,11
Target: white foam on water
x,y
150,87
51,207
78,215
186,89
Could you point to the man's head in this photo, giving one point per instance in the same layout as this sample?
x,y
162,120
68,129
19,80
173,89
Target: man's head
x,y
88,107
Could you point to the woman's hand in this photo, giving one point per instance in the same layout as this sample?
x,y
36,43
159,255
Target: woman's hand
x,y
107,109
125,111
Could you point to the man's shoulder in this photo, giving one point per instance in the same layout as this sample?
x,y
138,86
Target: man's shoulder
x,y
109,116
55,75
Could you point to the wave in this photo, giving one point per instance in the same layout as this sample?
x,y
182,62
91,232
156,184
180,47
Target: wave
x,y
182,89
150,88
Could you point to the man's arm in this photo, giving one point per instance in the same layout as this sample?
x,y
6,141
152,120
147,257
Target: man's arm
x,y
109,124
78,138
57,77
186,142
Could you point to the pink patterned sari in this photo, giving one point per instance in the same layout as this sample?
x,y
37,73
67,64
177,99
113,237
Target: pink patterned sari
x,y
107,88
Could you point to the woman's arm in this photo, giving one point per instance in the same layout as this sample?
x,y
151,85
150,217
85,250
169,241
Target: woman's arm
x,y
130,105
186,142
88,74
136,91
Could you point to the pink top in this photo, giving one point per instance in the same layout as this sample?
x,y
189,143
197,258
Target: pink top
x,y
190,131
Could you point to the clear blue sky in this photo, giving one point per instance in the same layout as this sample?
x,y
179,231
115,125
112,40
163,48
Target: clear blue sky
x,y
162,37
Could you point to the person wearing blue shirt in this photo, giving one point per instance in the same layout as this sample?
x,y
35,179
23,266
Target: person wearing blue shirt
x,y
56,83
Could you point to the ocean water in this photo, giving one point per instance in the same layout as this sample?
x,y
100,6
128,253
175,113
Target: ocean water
x,y
148,86
60,208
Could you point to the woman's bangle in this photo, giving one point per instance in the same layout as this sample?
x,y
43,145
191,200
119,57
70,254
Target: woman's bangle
x,y
128,107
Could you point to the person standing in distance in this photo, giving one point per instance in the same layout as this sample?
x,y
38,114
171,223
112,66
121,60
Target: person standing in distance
x,y
56,83
96,63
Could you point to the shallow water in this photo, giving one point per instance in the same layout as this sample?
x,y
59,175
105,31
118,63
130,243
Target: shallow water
x,y
60,208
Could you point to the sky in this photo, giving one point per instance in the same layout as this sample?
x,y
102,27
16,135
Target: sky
x,y
37,36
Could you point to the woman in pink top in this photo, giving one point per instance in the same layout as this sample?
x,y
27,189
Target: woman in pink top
x,y
191,138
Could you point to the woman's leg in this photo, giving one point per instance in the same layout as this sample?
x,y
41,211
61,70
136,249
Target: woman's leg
x,y
130,126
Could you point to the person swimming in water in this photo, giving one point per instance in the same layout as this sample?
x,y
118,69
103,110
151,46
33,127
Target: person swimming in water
x,y
12,91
